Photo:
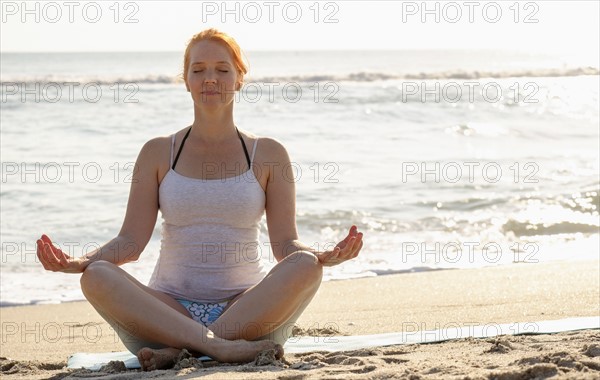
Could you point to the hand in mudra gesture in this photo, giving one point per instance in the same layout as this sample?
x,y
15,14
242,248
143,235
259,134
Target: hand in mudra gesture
x,y
345,250
54,259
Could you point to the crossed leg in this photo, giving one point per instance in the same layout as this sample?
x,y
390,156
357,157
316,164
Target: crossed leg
x,y
268,310
151,316
267,306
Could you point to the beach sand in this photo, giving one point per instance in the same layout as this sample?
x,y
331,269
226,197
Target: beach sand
x,y
36,340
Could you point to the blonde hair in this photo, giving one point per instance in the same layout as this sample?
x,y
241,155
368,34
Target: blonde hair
x,y
213,34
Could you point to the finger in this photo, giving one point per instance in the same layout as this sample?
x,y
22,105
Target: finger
x,y
359,243
345,240
52,260
327,255
321,256
40,254
62,257
351,243
335,257
356,245
346,253
46,239
44,255
351,232
53,250
58,255
330,257
358,250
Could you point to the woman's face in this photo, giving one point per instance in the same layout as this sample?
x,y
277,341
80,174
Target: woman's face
x,y
212,78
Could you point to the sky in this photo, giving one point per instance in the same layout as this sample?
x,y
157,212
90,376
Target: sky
x,y
556,26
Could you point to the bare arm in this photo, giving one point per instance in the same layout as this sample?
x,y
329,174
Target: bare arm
x,y
281,215
281,202
140,218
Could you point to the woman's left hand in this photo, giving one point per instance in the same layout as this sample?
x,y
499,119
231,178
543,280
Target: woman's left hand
x,y
347,249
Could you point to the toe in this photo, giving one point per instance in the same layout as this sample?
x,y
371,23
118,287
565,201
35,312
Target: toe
x,y
279,351
146,359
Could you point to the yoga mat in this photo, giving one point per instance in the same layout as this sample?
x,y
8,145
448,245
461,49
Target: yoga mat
x,y
410,335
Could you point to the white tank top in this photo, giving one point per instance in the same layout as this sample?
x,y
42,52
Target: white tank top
x,y
209,249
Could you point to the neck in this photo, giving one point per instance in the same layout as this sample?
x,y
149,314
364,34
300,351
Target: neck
x,y
212,125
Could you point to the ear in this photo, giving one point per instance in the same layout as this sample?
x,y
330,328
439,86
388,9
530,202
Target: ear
x,y
182,77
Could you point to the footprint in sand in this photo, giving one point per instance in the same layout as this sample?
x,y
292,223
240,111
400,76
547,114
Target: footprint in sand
x,y
499,346
592,350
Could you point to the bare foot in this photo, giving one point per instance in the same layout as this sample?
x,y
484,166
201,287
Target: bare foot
x,y
151,359
243,351
225,351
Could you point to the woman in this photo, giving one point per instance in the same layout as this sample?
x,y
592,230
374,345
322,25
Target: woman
x,y
208,293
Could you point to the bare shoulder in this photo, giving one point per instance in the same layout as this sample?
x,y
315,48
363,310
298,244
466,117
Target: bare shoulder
x,y
157,143
268,149
156,147
155,155
273,150
160,146
273,157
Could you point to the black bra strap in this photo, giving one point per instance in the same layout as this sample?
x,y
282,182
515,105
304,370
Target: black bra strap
x,y
188,133
244,145
180,148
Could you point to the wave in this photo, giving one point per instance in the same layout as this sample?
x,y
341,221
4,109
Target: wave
x,y
416,269
520,228
100,80
362,76
508,215
26,302
450,74
585,201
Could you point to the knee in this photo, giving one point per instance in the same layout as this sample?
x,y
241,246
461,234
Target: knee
x,y
307,266
95,276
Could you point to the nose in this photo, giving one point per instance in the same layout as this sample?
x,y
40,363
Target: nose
x,y
210,84
210,76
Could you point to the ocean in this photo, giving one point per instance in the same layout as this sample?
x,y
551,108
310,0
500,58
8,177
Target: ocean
x,y
444,159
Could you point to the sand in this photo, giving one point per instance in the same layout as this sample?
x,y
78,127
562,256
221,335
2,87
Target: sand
x,y
36,340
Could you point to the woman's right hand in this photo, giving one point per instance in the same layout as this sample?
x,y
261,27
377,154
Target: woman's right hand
x,y
55,260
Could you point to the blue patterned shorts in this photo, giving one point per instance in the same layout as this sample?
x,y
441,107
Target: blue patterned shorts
x,y
203,312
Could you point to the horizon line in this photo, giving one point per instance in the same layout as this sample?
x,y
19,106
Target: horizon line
x,y
298,50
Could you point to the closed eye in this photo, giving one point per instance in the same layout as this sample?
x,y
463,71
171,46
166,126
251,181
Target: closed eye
x,y
199,71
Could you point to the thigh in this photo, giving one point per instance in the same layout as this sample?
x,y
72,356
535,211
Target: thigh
x,y
165,298
272,303
126,335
